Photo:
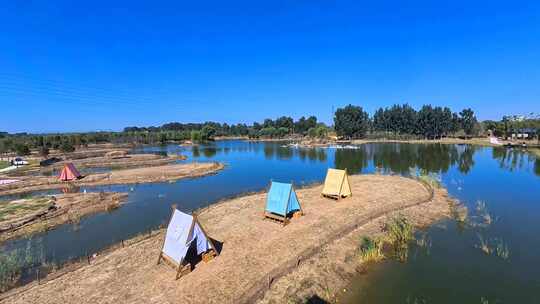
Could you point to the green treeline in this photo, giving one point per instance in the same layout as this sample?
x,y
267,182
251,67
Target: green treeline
x,y
350,122
404,121
22,143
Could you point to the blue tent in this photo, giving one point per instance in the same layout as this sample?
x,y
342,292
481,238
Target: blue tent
x,y
282,199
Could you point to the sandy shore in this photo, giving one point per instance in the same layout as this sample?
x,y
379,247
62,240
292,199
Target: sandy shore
x,y
127,176
127,161
255,252
43,213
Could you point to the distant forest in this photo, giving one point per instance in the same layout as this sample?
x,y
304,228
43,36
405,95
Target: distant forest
x,y
350,122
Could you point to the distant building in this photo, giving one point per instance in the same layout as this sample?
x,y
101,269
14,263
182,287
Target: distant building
x,y
525,133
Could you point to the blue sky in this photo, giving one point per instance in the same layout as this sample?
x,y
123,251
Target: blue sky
x,y
82,66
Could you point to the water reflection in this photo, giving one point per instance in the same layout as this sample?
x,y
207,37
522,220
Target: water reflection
x,y
513,159
399,158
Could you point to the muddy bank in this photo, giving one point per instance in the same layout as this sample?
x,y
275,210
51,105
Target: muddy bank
x,y
120,161
126,176
28,216
254,253
129,160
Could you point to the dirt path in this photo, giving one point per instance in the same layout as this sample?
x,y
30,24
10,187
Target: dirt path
x,y
254,250
39,214
127,176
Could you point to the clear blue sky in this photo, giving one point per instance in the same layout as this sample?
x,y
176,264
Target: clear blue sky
x,y
74,66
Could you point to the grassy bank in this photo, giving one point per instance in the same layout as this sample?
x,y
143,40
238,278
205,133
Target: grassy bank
x,y
4,164
25,217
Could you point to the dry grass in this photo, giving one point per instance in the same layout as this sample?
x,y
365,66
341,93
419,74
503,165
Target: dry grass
x,y
152,174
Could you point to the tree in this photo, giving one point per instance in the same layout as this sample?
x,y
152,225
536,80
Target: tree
x,y
44,151
208,132
66,147
468,121
425,121
195,135
21,149
351,122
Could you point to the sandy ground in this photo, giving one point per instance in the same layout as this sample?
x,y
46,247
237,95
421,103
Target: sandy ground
x,y
254,251
125,176
56,210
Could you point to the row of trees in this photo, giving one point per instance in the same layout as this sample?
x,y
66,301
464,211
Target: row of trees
x,y
428,122
513,125
22,143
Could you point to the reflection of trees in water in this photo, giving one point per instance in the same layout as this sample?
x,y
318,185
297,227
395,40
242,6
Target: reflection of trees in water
x,y
209,152
269,151
395,157
466,161
272,150
284,153
398,158
352,160
512,159
195,151
537,166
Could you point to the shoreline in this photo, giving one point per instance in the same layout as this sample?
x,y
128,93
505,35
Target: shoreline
x,y
58,210
239,273
153,174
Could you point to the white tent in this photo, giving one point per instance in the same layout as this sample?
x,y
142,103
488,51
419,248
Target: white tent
x,y
183,229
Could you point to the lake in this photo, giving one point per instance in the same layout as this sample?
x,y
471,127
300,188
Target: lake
x,y
451,270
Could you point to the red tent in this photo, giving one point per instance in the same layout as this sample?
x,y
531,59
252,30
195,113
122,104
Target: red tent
x,y
69,173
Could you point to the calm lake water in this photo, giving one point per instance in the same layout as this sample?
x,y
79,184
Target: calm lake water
x,y
451,270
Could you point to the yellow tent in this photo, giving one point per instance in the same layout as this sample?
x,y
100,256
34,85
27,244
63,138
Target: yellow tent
x,y
336,184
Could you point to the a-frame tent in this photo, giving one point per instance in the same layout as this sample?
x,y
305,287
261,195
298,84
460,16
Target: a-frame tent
x,y
69,173
182,230
336,184
281,202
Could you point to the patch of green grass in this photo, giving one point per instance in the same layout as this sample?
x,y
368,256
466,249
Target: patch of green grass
x,y
399,233
432,179
4,164
20,207
12,264
371,249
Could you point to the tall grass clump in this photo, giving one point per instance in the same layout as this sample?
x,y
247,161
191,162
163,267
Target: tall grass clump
x,y
430,178
399,233
460,214
371,249
12,265
483,213
501,249
484,245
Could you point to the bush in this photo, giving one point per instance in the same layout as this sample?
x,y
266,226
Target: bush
x,y
196,135
22,149
371,249
66,147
